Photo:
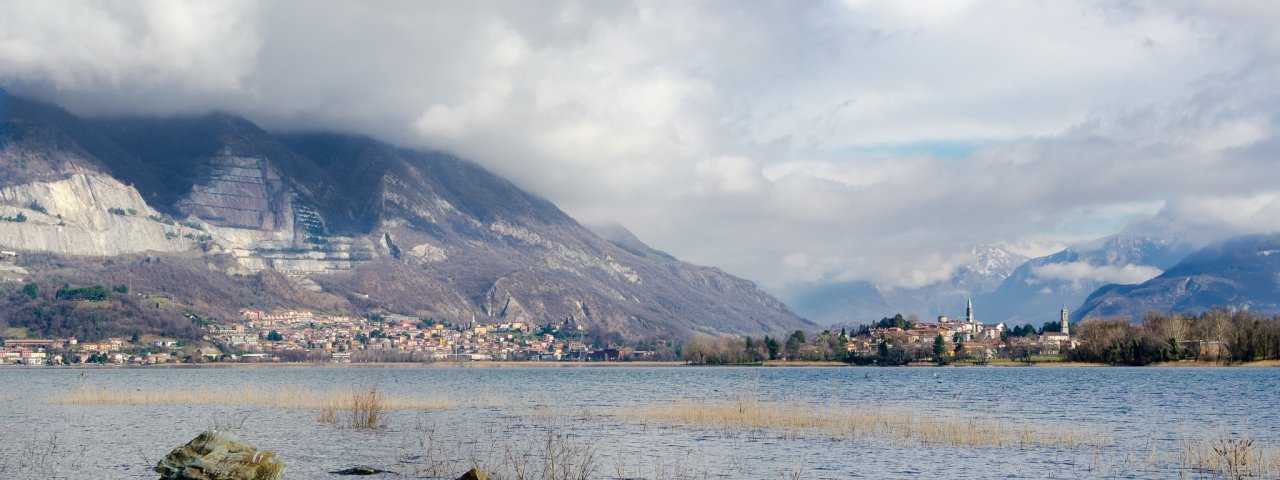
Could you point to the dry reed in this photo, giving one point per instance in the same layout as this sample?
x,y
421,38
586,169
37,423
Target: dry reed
x,y
1231,457
864,423
327,414
367,409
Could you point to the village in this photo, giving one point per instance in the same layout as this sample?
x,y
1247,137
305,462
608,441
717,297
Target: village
x,y
303,336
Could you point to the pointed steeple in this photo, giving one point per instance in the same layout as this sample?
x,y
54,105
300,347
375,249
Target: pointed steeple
x,y
968,311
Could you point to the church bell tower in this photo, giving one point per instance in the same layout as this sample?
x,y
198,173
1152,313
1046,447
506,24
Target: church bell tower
x,y
1065,326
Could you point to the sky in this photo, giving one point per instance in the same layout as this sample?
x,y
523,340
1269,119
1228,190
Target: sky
x,y
786,142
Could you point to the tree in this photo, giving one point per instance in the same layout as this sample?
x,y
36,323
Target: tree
x,y
895,321
31,289
274,336
960,353
939,349
773,346
793,345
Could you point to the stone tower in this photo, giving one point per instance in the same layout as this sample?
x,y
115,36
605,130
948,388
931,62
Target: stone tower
x,y
1065,326
968,311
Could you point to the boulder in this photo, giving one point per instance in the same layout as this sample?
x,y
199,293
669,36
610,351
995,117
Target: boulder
x,y
474,474
220,454
360,470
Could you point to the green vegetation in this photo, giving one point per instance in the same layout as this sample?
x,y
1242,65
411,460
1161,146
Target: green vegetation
x,y
940,350
37,207
895,321
21,217
94,293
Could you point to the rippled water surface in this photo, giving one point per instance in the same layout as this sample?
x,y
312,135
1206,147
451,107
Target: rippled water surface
x,y
1147,412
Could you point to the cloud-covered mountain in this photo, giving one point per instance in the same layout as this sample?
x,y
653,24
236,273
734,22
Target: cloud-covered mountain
x,y
1036,290
362,223
1243,272
852,302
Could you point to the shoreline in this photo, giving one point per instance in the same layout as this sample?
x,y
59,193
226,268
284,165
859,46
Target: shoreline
x,y
642,364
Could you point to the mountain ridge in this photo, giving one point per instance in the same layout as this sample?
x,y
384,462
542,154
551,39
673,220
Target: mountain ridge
x,y
1240,272
369,224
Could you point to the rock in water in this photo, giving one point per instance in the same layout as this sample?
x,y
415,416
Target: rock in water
x,y
360,470
220,454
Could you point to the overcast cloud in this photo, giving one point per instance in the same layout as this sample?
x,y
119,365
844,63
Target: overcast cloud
x,y
782,141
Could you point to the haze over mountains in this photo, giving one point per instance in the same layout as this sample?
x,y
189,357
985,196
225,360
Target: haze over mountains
x,y
352,223
1121,275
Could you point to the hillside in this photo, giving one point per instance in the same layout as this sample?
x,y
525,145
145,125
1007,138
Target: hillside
x,y
362,224
1243,272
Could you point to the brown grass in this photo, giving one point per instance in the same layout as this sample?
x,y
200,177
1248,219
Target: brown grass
x,y
796,419
367,409
1231,457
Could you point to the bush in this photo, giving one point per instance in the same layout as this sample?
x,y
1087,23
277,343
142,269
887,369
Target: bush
x,y
94,293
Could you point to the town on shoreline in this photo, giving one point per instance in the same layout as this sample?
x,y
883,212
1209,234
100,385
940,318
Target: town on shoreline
x,y
300,336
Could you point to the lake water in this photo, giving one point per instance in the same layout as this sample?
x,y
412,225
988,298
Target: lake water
x,y
1147,412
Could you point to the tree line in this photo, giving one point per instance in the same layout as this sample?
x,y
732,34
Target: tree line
x,y
1219,334
708,350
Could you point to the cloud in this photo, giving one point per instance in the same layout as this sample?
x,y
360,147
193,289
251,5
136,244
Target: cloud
x,y
781,141
1079,272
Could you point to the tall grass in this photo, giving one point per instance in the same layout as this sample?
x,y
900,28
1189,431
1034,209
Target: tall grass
x,y
367,409
549,453
797,419
1231,457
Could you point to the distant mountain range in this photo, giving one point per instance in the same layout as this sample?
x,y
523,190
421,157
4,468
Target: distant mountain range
x,y
1125,274
1242,272
853,302
1036,291
331,221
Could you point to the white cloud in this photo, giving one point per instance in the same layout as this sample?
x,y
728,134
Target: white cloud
x,y
872,140
1078,272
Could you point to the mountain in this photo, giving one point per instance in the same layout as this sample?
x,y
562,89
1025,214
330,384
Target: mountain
x,y
1036,291
621,237
853,302
1242,272
337,222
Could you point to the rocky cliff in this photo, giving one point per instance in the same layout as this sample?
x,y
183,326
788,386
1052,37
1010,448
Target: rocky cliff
x,y
86,214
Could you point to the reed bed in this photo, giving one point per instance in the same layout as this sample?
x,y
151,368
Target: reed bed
x,y
1231,457
797,419
273,397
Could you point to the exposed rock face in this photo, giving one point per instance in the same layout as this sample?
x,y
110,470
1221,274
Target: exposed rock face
x,y
74,215
220,454
238,192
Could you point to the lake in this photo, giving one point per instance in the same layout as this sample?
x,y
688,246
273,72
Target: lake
x,y
1142,419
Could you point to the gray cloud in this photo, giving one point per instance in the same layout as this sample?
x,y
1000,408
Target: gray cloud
x,y
781,141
